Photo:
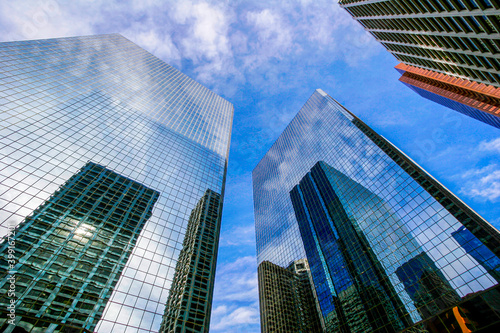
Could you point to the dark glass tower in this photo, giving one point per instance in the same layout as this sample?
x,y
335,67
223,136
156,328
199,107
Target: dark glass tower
x,y
378,231
427,286
190,298
484,256
67,101
72,250
341,258
454,37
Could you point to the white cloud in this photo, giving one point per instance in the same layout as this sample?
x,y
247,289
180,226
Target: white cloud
x,y
227,318
203,30
493,145
483,183
236,295
273,32
40,19
160,45
488,186
224,43
240,235
207,30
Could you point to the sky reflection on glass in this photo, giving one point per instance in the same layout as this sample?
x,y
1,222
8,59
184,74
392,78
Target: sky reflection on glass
x,y
398,217
103,99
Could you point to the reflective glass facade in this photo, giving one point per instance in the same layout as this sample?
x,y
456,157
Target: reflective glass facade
x,y
379,233
287,298
69,103
73,248
487,118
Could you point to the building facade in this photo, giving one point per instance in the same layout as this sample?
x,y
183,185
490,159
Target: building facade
x,y
377,230
458,38
451,44
475,100
287,298
103,99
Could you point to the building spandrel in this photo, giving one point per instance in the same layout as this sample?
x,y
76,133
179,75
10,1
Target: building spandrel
x,y
472,99
377,230
68,101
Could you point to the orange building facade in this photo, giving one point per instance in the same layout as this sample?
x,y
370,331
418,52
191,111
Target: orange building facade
x,y
477,100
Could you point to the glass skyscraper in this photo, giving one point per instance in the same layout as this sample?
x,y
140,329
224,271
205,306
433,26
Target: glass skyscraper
x,y
458,38
379,233
105,153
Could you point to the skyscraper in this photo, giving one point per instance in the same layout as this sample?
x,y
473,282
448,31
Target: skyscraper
x,y
287,298
459,38
190,298
446,44
68,101
377,230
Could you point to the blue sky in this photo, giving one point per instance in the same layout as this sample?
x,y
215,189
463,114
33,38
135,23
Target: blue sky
x,y
267,58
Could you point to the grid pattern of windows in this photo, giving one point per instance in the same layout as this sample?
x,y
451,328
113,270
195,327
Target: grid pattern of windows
x,y
64,102
287,300
340,255
380,234
73,248
456,37
190,298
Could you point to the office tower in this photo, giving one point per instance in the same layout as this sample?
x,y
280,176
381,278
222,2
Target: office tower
x,y
458,38
68,101
190,298
73,248
446,44
332,190
287,298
